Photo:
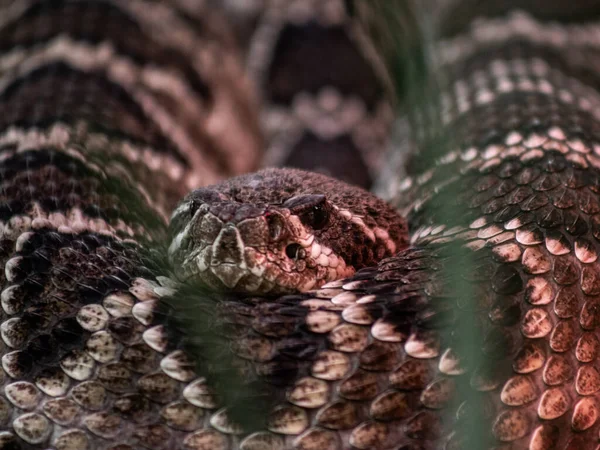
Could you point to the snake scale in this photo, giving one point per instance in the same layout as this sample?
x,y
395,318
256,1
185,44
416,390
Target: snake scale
x,y
486,324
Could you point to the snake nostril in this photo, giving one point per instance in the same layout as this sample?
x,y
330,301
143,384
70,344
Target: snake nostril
x,y
294,251
276,227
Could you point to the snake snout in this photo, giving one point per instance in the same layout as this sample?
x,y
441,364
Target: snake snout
x,y
254,232
228,248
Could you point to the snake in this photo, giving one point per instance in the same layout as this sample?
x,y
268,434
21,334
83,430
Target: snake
x,y
284,308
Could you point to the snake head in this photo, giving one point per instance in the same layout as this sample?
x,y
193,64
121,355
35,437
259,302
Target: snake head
x,y
280,231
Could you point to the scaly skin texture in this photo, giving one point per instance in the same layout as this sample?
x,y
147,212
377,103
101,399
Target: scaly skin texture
x,y
334,118
109,113
94,346
281,230
511,170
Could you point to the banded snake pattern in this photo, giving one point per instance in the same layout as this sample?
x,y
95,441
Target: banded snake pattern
x,y
111,111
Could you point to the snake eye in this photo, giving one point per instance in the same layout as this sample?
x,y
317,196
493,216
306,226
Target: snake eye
x,y
312,209
316,217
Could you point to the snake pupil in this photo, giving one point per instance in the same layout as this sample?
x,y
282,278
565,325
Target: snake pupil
x,y
317,217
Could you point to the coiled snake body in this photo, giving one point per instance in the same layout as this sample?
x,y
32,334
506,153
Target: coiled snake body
x,y
110,112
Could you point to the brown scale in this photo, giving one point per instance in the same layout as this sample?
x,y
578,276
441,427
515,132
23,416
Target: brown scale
x,y
55,188
108,23
83,96
316,31
362,363
95,23
546,204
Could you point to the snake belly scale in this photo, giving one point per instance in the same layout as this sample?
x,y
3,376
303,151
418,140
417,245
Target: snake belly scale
x,y
111,111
